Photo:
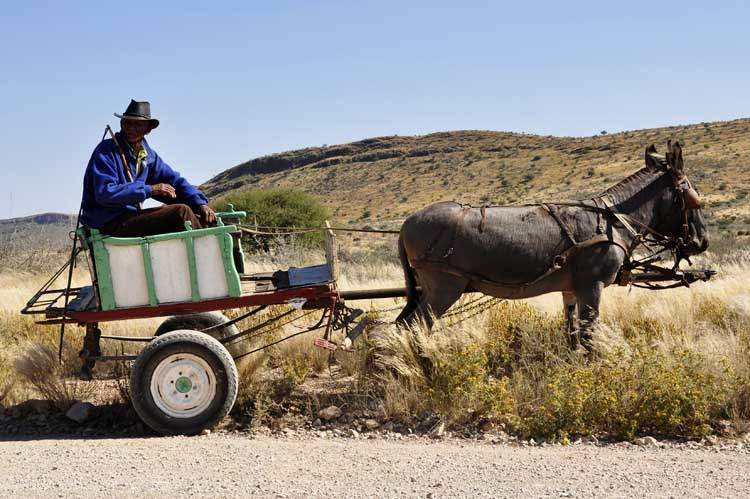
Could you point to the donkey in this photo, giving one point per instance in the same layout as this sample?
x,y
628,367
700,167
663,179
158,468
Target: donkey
x,y
576,248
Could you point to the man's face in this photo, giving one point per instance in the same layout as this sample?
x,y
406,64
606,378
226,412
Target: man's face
x,y
135,130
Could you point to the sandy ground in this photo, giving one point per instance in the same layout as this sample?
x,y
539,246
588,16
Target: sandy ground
x,y
238,466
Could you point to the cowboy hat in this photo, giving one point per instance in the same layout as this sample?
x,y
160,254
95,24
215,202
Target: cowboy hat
x,y
139,111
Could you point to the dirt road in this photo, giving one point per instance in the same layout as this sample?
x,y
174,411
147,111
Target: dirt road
x,y
237,466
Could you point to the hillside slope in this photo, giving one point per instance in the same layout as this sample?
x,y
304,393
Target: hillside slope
x,y
44,227
381,180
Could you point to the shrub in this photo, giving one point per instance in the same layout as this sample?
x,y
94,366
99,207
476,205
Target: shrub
x,y
460,388
7,380
648,392
279,208
38,366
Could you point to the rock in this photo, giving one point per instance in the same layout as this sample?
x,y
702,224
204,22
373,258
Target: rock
x,y
427,415
487,426
371,424
329,413
40,406
205,432
80,412
288,432
438,431
711,440
389,426
590,439
317,423
646,441
725,427
353,433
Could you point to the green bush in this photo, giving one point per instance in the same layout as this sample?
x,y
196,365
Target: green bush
x,y
460,388
649,392
635,389
285,208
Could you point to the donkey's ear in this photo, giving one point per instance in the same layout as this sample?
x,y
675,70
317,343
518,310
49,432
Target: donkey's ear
x,y
651,161
675,155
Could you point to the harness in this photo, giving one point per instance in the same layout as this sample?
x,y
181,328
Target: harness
x,y
605,207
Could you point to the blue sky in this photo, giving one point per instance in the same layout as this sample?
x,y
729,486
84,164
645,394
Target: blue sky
x,y
231,81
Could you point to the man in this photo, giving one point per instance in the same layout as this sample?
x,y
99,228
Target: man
x,y
113,191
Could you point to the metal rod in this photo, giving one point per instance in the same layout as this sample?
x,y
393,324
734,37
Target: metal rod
x,y
144,339
72,264
233,337
236,320
111,357
277,342
365,294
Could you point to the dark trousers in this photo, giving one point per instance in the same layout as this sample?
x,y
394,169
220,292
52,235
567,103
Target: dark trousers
x,y
151,221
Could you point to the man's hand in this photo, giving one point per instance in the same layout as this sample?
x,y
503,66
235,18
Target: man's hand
x,y
165,190
207,214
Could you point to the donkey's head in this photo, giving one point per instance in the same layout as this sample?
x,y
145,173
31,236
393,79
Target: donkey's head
x,y
679,208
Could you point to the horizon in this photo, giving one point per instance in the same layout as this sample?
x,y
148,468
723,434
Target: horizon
x,y
243,80
572,137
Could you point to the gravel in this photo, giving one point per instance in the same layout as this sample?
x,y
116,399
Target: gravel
x,y
319,464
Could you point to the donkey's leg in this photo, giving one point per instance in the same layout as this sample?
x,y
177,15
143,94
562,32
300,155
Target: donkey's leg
x,y
439,292
569,307
593,269
407,313
588,311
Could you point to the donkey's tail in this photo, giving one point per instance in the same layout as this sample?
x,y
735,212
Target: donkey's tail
x,y
412,296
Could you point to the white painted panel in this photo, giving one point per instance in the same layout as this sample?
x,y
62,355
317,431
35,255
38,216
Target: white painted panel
x,y
169,262
128,275
212,280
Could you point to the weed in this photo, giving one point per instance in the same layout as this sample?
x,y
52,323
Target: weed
x,y
39,367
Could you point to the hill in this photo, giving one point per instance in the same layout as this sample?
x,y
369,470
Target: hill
x,y
381,180
49,230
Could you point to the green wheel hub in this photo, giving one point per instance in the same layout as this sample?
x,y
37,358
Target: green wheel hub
x,y
183,384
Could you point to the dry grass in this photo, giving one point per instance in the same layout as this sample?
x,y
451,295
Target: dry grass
x,y
38,366
668,363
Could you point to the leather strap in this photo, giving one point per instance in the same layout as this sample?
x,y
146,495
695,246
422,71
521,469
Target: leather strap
x,y
125,167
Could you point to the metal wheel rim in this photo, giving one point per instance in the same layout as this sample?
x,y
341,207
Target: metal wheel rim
x,y
183,385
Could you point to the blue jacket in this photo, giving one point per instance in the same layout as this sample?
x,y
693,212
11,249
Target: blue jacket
x,y
108,194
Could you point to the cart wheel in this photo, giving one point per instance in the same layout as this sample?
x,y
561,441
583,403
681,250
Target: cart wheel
x,y
200,321
183,382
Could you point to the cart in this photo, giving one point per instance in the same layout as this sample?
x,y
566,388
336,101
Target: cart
x,y
185,380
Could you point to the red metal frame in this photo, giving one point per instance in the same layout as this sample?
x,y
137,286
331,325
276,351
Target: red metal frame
x,y
320,296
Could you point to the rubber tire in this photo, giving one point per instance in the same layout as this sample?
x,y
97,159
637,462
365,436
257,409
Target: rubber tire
x,y
200,321
175,342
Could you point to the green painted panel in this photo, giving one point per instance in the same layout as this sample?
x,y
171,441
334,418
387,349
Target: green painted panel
x,y
233,278
192,268
149,269
103,272
95,242
188,234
